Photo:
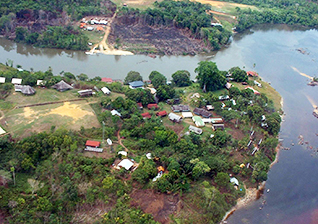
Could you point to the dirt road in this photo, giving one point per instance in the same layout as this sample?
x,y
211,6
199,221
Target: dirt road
x,y
103,47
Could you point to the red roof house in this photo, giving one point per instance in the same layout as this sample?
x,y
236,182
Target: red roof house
x,y
146,115
251,73
162,113
140,106
92,143
107,80
255,91
151,105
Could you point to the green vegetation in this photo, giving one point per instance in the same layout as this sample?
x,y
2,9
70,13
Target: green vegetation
x,y
291,12
48,177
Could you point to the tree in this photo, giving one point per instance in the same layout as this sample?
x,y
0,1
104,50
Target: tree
x,y
181,78
82,77
238,74
157,79
209,76
199,169
132,76
165,92
222,179
139,95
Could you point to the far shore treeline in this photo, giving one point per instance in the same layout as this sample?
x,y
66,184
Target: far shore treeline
x,y
46,24
47,177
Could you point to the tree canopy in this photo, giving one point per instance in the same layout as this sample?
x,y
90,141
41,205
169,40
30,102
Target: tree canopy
x,y
132,76
181,78
209,76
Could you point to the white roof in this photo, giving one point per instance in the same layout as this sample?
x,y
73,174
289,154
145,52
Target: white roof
x,y
148,155
126,163
207,120
209,107
109,142
173,116
105,90
2,131
187,114
122,153
234,181
16,81
115,112
39,82
2,79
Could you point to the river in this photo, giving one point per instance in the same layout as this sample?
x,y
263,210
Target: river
x,y
293,180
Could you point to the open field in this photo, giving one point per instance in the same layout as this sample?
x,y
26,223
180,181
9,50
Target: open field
x,y
20,122
225,7
140,4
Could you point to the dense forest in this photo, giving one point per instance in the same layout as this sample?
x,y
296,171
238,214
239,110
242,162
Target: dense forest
x,y
47,178
291,12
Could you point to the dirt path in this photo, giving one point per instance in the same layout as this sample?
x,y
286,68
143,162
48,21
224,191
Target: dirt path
x,y
119,141
103,47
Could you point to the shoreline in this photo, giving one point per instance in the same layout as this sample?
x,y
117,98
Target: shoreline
x,y
252,194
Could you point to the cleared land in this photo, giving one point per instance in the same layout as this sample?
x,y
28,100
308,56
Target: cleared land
x,y
20,122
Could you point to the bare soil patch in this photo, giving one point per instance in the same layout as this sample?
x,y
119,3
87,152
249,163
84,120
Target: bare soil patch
x,y
159,205
160,40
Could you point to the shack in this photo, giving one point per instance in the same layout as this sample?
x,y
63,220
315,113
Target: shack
x,y
195,130
2,79
140,106
202,112
218,126
187,114
115,112
25,89
86,92
180,108
174,117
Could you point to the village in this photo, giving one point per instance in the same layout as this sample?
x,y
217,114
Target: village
x,y
193,117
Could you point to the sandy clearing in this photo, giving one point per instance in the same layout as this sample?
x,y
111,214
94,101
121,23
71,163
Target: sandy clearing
x,y
70,110
219,4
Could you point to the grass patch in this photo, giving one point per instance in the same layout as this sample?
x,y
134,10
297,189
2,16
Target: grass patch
x,y
41,96
94,36
140,4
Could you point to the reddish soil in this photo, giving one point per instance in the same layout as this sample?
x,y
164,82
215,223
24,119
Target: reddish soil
x,y
177,128
159,205
236,133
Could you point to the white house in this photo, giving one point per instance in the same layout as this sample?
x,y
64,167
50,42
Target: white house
x,y
2,79
16,81
126,163
105,90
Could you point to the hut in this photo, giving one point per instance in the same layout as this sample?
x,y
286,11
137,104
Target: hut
x,y
115,112
93,146
28,90
228,85
187,114
62,86
2,79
